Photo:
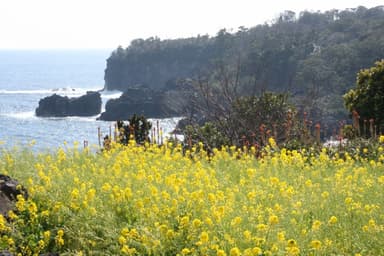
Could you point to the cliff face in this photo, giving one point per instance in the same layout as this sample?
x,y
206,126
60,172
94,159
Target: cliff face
x,y
152,63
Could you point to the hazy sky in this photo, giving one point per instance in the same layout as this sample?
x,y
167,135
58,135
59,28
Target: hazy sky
x,y
109,23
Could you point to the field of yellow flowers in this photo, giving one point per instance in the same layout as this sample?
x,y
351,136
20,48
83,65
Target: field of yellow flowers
x,y
151,200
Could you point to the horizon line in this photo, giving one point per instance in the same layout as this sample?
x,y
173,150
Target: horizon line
x,y
58,49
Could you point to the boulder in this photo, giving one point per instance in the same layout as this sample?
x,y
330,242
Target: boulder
x,y
61,106
137,100
9,190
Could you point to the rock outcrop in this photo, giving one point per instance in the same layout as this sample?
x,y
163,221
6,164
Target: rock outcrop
x,y
61,106
137,100
9,190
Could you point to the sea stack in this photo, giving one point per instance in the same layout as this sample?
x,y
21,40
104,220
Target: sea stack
x,y
62,106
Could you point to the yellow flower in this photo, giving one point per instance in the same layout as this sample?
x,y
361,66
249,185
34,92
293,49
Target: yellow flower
x,y
236,221
221,253
45,214
128,251
381,139
122,240
262,227
185,251
235,252
256,250
47,235
281,236
196,223
41,244
204,237
247,235
332,220
208,221
316,225
293,251
60,233
170,234
348,200
325,194
59,238
59,241
248,252
273,219
11,242
184,221
272,142
124,232
20,203
291,243
316,244
32,208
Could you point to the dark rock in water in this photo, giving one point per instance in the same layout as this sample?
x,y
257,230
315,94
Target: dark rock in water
x,y
171,101
61,106
137,100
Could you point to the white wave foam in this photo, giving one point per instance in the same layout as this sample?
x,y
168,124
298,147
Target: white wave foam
x,y
110,94
73,118
31,115
167,124
21,115
64,91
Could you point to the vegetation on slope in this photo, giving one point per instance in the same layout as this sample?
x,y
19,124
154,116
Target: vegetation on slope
x,y
312,56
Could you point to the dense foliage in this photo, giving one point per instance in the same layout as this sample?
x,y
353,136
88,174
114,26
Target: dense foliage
x,y
367,99
137,128
151,200
247,120
313,56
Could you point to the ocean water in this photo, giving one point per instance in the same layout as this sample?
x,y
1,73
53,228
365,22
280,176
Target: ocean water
x,y
26,76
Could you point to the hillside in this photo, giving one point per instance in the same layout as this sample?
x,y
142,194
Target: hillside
x,y
312,56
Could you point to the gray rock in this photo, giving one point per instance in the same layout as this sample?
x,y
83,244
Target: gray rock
x,y
9,190
61,106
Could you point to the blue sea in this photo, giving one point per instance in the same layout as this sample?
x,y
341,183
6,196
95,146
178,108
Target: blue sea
x,y
26,76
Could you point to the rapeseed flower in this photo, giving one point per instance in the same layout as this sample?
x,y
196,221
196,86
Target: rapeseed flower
x,y
204,237
316,225
316,244
235,252
332,220
273,219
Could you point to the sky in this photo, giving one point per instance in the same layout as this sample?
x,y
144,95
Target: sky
x,y
79,24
